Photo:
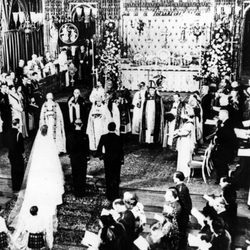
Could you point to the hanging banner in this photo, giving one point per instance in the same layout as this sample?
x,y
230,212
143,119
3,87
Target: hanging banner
x,y
69,34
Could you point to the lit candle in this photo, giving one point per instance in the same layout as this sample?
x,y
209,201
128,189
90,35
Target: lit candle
x,y
93,55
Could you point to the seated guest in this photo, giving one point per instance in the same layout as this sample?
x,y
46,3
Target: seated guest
x,y
221,238
113,235
131,218
164,235
224,206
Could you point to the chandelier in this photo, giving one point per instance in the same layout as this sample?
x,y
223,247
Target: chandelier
x,y
28,22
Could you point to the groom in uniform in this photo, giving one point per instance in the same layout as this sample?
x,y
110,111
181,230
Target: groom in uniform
x,y
113,159
78,149
16,150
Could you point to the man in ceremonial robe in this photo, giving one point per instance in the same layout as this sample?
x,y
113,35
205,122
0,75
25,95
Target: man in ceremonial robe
x,y
138,103
97,93
77,108
152,118
99,117
173,122
51,115
16,150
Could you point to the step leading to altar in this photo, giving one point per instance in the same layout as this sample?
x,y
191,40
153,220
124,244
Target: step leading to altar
x,y
175,78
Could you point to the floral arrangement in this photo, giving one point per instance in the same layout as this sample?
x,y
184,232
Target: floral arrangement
x,y
109,67
217,57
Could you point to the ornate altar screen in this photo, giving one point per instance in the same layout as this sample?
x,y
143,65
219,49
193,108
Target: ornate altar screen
x,y
165,37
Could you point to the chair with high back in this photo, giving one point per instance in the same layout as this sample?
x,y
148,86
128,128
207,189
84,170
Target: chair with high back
x,y
199,162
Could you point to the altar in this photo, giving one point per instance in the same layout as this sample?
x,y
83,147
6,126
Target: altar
x,y
174,78
164,39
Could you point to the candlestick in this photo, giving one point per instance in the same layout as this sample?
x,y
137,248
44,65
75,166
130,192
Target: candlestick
x,y
93,62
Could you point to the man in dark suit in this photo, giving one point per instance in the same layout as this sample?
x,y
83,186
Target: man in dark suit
x,y
16,150
78,149
186,204
113,159
5,113
225,144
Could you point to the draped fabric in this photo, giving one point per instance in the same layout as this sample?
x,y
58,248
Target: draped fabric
x,y
18,45
7,8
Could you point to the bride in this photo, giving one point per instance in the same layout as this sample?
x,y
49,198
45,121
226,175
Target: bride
x,y
43,186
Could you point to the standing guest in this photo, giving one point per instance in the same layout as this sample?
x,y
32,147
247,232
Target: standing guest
x,y
5,110
113,159
185,143
19,71
207,103
78,149
16,150
172,207
81,61
183,191
174,121
63,66
16,105
225,145
77,109
152,118
185,201
23,104
33,113
138,103
51,115
194,102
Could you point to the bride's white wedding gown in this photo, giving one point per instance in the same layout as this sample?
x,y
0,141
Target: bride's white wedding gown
x,y
43,186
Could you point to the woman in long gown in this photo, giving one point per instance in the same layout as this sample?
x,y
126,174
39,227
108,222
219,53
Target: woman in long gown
x,y
185,143
43,186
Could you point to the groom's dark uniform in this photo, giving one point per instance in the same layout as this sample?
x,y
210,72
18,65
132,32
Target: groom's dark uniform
x,y
113,159
16,150
78,149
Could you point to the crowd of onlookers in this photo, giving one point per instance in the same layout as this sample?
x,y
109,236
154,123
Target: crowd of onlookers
x,y
123,223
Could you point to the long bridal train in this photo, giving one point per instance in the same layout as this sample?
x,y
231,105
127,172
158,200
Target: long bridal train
x,y
43,186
